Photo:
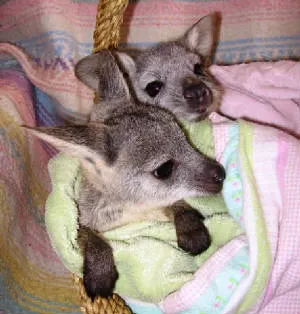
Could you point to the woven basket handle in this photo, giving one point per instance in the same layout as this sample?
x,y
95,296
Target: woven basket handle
x,y
108,22
106,35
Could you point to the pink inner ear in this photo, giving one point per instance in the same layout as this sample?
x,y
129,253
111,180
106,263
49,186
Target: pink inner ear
x,y
192,38
200,36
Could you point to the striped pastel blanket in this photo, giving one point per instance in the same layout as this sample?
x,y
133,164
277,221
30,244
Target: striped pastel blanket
x,y
32,91
257,272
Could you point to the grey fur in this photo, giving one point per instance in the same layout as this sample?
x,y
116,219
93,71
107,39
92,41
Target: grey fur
x,y
121,151
172,63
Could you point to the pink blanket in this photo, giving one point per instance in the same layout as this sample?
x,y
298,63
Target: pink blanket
x,y
265,92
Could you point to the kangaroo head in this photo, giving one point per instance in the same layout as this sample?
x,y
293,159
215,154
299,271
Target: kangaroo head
x,y
175,75
132,153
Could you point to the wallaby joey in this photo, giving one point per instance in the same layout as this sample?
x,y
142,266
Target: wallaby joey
x,y
175,74
136,162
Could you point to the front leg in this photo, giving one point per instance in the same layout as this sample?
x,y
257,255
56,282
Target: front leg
x,y
99,270
192,234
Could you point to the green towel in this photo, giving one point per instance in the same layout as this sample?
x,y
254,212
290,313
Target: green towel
x,y
145,274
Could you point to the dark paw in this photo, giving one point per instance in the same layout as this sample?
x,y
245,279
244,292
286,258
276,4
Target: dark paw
x,y
99,283
192,234
99,270
194,242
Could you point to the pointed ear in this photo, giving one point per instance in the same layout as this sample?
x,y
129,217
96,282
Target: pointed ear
x,y
200,37
101,73
93,146
127,63
73,140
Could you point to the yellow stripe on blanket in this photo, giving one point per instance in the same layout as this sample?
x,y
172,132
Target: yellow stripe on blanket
x,y
264,257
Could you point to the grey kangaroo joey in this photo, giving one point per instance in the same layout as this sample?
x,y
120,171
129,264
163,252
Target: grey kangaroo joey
x,y
137,164
175,74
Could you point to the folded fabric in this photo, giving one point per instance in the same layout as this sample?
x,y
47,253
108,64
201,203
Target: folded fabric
x,y
254,273
264,92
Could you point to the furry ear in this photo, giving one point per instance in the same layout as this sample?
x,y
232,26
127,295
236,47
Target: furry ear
x,y
101,73
69,139
200,37
77,141
87,71
127,63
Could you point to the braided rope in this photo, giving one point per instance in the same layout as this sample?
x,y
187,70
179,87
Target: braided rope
x,y
108,22
106,35
112,305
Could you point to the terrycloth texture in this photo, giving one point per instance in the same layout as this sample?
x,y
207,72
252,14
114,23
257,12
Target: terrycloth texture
x,y
144,274
261,192
277,205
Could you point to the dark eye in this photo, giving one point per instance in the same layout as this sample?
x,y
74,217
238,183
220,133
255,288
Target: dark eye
x,y
153,88
164,171
198,69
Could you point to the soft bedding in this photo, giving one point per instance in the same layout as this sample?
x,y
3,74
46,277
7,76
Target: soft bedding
x,y
34,90
262,165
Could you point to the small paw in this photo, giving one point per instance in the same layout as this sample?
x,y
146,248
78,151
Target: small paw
x,y
192,234
99,270
100,283
194,242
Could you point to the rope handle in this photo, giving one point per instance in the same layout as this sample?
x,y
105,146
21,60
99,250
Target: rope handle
x,y
108,23
112,305
106,35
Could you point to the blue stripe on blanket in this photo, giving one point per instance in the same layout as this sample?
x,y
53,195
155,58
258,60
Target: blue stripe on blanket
x,y
58,49
222,288
45,109
7,62
55,44
7,304
46,115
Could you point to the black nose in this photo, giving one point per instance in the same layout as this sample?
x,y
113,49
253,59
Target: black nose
x,y
217,174
197,95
